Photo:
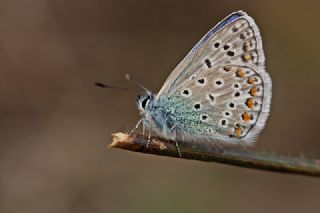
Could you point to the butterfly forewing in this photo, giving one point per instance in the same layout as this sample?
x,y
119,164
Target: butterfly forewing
x,y
225,74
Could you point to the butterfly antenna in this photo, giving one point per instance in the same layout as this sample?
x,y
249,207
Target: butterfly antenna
x,y
102,85
129,78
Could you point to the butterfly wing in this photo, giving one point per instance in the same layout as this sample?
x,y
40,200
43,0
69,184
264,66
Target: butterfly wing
x,y
225,74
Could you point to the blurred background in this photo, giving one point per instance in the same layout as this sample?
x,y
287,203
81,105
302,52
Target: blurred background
x,y
55,125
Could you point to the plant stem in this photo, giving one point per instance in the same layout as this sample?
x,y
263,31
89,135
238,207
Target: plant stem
x,y
227,155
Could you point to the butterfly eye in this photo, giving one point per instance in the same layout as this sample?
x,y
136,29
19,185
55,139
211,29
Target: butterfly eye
x,y
144,102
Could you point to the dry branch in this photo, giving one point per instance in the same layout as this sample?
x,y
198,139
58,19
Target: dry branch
x,y
232,156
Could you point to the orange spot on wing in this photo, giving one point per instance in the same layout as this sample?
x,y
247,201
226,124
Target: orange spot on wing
x,y
240,73
253,91
250,103
252,80
246,57
246,117
227,68
238,131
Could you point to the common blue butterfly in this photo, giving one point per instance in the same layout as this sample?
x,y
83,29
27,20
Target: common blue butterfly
x,y
219,92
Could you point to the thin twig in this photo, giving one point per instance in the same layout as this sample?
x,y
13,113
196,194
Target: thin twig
x,y
232,156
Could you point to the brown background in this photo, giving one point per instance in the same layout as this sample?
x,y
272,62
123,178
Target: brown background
x,y
55,125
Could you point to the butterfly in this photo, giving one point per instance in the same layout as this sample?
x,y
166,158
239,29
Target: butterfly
x,y
219,92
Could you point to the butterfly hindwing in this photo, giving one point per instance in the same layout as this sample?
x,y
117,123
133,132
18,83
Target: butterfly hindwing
x,y
229,98
225,73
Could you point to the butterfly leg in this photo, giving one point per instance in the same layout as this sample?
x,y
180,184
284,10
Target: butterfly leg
x,y
174,131
137,126
178,149
143,128
149,139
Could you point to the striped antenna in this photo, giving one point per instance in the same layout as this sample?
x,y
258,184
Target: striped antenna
x,y
102,85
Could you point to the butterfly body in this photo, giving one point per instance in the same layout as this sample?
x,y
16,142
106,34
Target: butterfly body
x,y
172,117
219,92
